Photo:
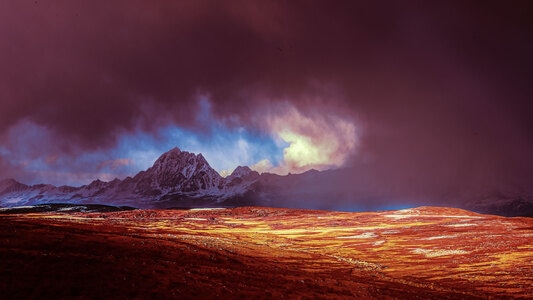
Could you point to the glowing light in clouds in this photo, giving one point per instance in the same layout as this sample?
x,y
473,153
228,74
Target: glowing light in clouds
x,y
292,142
314,141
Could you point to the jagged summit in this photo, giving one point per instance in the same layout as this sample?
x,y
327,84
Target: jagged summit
x,y
97,184
178,170
173,150
241,178
176,162
242,171
172,153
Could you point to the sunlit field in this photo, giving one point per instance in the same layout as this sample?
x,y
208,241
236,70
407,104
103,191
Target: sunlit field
x,y
424,252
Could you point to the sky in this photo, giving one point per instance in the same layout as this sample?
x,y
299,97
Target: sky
x,y
415,95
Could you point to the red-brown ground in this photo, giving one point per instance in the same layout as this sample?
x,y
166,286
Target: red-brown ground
x,y
428,253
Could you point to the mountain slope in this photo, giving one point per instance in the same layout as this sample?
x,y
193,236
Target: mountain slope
x,y
176,179
182,179
174,173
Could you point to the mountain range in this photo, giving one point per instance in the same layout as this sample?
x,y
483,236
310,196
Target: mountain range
x,y
180,179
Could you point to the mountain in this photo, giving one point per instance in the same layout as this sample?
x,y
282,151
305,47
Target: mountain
x,y
509,203
178,171
176,179
11,185
183,179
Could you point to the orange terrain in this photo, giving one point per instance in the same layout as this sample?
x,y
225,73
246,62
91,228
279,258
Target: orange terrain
x,y
427,252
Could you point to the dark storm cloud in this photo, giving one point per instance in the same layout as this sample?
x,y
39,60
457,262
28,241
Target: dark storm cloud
x,y
441,91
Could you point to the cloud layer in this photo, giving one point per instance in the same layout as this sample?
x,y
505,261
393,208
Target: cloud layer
x,y
424,96
316,141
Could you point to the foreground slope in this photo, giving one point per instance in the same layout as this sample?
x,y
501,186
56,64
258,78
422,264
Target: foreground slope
x,y
425,252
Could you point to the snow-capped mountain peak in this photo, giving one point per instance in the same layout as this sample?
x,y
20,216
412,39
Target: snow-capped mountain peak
x,y
178,170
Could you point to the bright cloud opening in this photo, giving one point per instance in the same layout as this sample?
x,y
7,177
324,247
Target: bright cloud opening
x,y
315,141
285,140
262,166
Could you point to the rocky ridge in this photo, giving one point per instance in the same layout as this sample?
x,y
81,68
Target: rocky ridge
x,y
180,179
174,175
